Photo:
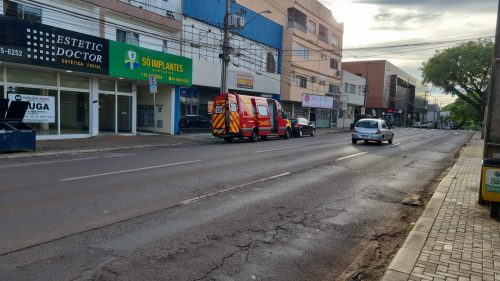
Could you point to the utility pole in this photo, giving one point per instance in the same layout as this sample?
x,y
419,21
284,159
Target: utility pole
x,y
226,49
492,133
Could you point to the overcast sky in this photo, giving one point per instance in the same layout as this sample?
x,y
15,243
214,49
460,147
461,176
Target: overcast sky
x,y
369,23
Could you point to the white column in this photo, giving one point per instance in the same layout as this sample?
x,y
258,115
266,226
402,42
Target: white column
x,y
94,106
173,111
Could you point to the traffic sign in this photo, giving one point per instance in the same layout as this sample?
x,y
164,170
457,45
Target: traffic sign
x,y
153,86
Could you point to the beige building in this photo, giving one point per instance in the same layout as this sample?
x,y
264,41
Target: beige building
x,y
311,57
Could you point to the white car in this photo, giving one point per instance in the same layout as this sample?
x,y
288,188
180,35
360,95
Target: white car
x,y
372,130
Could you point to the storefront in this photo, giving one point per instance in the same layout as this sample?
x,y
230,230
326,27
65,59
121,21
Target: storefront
x,y
80,85
316,108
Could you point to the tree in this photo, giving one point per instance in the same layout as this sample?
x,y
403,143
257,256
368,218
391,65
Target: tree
x,y
463,70
463,116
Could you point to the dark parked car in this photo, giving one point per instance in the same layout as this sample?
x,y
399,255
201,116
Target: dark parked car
x,y
302,126
195,121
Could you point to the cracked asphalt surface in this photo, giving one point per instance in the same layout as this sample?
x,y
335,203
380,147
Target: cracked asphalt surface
x,y
272,210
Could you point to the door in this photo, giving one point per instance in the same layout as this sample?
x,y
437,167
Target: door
x,y
124,114
107,112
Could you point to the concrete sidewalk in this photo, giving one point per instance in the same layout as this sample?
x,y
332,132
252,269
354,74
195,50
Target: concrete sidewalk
x,y
109,142
455,238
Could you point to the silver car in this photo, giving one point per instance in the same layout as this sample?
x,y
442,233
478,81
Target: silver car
x,y
372,130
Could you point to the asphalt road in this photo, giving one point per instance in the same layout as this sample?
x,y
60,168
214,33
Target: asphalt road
x,y
272,210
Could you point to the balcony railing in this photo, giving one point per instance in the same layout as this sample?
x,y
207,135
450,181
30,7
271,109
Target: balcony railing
x,y
162,8
294,24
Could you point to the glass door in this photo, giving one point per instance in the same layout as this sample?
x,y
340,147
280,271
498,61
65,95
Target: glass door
x,y
124,114
107,113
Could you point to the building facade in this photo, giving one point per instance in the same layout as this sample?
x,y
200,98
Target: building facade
x,y
85,66
254,67
390,92
311,59
352,99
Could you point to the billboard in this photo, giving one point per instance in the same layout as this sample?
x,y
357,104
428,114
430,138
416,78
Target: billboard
x,y
43,45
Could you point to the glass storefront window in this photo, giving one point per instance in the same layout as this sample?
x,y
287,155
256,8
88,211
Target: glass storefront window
x,y
74,112
26,76
107,112
47,127
124,87
73,81
107,85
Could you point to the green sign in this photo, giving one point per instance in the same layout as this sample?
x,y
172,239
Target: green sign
x,y
138,63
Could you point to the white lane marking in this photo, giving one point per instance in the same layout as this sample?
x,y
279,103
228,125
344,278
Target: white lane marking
x,y
276,149
192,200
48,162
393,145
128,171
428,136
120,155
350,156
416,139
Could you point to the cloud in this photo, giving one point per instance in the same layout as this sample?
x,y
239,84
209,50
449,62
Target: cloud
x,y
396,20
467,6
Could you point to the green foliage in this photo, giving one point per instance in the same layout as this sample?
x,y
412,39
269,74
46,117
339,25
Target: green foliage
x,y
463,115
463,70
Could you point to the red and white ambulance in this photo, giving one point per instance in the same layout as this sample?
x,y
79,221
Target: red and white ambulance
x,y
239,116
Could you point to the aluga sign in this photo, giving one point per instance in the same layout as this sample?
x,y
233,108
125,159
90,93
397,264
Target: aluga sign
x,y
493,180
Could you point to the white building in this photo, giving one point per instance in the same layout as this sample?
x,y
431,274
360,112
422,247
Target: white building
x,y
352,98
68,56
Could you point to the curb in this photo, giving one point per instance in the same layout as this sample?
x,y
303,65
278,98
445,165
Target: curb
x,y
405,259
402,264
78,151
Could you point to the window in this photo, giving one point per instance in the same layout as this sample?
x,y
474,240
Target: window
x,y
332,88
270,63
127,37
302,51
262,110
300,81
164,47
334,64
346,88
334,40
353,89
311,26
323,33
23,11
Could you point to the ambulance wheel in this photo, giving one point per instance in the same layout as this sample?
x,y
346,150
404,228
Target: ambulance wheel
x,y
287,133
263,138
254,137
228,139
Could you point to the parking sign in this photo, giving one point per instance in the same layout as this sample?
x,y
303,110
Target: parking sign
x,y
153,86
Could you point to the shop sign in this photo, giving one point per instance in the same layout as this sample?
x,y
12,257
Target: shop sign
x,y
38,44
244,81
316,101
138,63
42,109
493,180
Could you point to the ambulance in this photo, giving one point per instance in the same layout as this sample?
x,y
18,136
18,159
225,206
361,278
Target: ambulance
x,y
240,116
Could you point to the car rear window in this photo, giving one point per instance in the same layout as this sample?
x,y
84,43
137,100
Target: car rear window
x,y
367,124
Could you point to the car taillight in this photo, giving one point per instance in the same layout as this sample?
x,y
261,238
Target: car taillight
x,y
354,130
378,132
296,125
